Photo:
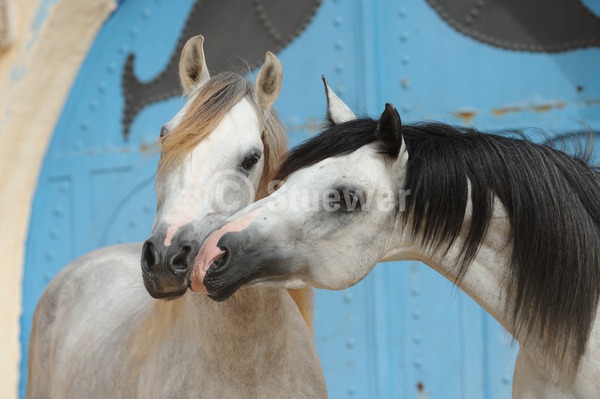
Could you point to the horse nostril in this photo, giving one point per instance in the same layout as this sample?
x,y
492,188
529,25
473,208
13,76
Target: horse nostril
x,y
149,257
221,259
181,262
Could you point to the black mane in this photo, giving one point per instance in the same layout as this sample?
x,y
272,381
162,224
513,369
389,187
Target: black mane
x,y
552,200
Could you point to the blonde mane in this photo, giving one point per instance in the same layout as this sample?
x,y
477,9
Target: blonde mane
x,y
214,99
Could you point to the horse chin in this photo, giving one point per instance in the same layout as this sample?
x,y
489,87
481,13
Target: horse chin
x,y
219,291
226,292
166,296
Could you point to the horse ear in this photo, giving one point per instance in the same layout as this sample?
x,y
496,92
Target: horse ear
x,y
268,82
192,64
337,110
389,131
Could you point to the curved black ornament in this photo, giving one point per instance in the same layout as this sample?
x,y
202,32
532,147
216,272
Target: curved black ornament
x,y
237,33
530,25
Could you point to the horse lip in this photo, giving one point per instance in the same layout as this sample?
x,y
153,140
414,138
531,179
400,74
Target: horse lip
x,y
224,292
218,262
167,296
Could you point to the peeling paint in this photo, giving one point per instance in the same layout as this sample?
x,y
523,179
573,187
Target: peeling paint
x,y
506,110
17,73
542,108
536,108
421,390
43,12
466,116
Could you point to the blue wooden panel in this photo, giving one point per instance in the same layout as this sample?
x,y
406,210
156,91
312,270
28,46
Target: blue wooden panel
x,y
403,332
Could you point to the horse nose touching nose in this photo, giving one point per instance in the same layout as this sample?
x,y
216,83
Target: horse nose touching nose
x,y
166,269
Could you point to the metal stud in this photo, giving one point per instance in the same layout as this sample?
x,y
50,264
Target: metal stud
x,y
418,363
134,31
350,343
416,314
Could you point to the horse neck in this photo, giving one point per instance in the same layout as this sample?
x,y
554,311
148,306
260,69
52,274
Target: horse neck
x,y
485,280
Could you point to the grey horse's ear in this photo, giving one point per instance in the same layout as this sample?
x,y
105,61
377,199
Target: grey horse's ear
x,y
337,110
268,82
192,65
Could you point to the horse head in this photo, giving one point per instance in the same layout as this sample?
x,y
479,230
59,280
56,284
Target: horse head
x,y
217,154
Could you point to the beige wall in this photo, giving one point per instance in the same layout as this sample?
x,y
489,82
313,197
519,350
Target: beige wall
x,y
6,24
36,74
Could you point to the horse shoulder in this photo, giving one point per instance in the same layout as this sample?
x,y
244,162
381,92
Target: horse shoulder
x,y
69,319
536,376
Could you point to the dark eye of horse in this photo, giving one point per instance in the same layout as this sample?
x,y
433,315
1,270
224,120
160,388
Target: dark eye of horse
x,y
249,162
350,200
163,131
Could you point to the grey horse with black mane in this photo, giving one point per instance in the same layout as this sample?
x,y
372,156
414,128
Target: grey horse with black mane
x,y
514,224
97,333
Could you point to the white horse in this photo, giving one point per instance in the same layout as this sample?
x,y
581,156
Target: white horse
x,y
98,334
514,224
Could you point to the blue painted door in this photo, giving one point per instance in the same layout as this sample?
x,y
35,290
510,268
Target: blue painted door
x,y
404,332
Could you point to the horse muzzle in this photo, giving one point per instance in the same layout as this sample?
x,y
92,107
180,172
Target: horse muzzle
x,y
235,267
166,270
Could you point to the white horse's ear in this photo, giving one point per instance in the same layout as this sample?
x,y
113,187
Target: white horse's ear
x,y
403,155
337,110
268,82
192,65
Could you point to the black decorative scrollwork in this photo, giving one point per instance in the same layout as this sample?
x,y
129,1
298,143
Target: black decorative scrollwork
x,y
237,33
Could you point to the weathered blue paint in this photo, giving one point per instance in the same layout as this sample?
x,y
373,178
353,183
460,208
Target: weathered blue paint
x,y
403,328
44,8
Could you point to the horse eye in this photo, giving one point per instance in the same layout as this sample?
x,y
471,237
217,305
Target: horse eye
x,y
349,200
163,131
249,162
